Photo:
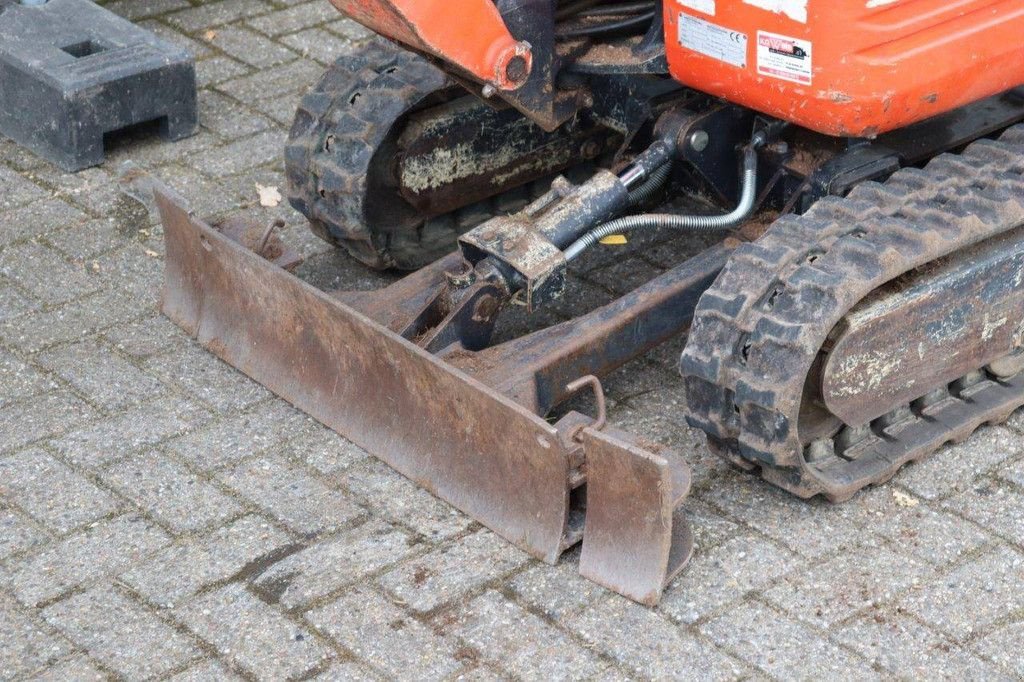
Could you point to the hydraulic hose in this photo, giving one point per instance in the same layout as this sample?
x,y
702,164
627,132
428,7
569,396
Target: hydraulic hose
x,y
692,223
651,185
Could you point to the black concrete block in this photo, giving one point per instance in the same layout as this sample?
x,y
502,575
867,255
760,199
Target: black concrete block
x,y
71,71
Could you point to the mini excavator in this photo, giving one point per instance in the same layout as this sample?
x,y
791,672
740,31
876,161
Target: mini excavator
x,y
852,172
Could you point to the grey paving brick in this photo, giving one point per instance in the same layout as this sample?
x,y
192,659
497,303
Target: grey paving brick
x,y
1013,472
182,569
136,271
211,14
120,633
17,190
725,574
203,375
784,648
18,379
46,415
254,635
519,642
320,45
13,303
44,486
350,29
210,72
176,36
348,671
386,637
908,649
451,571
26,644
648,644
334,563
294,18
131,431
205,671
69,322
290,494
76,668
143,9
172,494
934,536
280,110
87,240
976,594
102,375
399,498
261,148
46,274
986,502
37,219
207,196
709,527
276,83
556,591
956,466
148,337
848,583
813,528
323,450
91,189
1002,645
152,151
17,533
18,157
106,548
230,440
227,117
249,47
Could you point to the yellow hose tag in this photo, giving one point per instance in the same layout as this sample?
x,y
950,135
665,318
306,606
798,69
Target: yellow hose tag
x,y
614,240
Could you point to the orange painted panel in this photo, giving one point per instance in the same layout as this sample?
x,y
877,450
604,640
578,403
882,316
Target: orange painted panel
x,y
468,33
847,67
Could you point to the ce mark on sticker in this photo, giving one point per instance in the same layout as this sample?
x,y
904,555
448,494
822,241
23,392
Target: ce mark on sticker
x,y
713,40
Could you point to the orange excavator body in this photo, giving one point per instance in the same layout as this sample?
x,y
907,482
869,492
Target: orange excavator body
x,y
852,68
849,68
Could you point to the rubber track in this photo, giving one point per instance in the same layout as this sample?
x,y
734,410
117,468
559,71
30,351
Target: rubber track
x,y
338,128
758,330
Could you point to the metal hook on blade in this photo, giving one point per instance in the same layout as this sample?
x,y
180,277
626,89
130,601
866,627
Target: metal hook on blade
x,y
602,415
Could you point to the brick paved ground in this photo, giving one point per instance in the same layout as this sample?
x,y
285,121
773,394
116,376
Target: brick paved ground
x,y
162,516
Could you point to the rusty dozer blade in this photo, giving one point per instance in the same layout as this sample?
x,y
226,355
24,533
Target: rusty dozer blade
x,y
543,487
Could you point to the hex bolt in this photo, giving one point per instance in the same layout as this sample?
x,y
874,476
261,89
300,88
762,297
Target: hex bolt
x,y
488,91
699,140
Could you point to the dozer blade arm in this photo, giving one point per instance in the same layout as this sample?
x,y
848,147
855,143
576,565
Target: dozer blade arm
x,y
463,440
469,34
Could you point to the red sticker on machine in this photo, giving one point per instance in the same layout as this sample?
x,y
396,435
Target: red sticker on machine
x,y
784,57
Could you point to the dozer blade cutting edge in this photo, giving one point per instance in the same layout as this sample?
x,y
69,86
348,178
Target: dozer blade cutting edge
x,y
454,435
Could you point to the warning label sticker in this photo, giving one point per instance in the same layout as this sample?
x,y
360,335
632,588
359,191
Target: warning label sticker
x,y
784,57
713,40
